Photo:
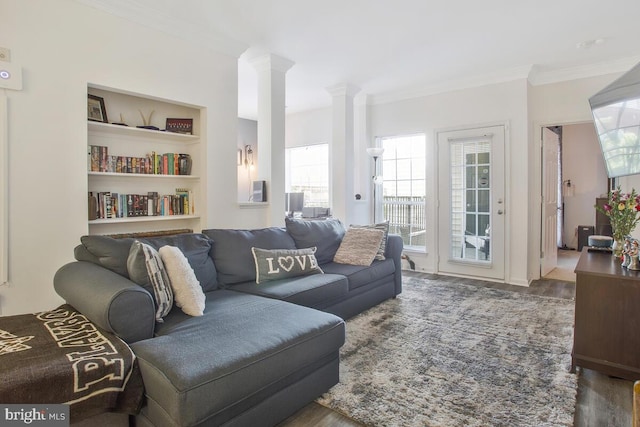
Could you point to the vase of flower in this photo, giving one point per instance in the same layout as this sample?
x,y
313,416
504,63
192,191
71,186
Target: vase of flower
x,y
623,210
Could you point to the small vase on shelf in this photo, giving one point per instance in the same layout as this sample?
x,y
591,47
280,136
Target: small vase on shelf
x,y
618,246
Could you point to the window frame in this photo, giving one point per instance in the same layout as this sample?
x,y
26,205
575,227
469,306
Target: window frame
x,y
415,210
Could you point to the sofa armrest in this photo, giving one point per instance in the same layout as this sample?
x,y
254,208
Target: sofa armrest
x,y
109,300
393,250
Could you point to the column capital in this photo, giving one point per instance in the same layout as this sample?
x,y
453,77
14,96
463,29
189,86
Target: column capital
x,y
343,89
269,61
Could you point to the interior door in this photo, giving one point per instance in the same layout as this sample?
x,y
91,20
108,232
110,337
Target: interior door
x,y
550,159
471,202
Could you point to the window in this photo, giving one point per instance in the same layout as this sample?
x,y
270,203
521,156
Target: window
x,y
307,171
404,174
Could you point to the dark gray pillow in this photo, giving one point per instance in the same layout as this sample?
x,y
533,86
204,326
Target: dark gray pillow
x,y
147,270
111,253
275,264
196,248
232,255
325,235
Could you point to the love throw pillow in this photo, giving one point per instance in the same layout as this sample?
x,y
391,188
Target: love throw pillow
x,y
278,264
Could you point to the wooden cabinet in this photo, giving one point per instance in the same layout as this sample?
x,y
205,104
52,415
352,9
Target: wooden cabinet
x,y
607,316
132,142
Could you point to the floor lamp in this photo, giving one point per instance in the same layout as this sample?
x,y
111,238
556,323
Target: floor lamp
x,y
375,152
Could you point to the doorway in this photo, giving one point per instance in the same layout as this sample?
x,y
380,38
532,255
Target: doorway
x,y
573,176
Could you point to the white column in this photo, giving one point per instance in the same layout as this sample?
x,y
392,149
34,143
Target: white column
x,y
271,70
363,164
341,152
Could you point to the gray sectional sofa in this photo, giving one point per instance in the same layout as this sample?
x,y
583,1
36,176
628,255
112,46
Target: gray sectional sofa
x,y
259,352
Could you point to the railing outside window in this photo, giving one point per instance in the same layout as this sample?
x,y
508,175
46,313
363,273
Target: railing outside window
x,y
406,216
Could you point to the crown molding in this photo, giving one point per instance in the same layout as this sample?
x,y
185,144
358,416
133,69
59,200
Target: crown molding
x,y
343,89
151,18
270,61
541,77
454,85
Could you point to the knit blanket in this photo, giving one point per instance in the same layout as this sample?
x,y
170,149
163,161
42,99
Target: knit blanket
x,y
59,356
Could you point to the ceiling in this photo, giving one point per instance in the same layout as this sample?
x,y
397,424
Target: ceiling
x,y
396,49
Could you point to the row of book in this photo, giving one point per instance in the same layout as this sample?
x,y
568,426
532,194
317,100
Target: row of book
x,y
107,204
153,163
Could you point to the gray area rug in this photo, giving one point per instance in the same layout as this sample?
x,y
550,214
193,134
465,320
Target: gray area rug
x,y
446,353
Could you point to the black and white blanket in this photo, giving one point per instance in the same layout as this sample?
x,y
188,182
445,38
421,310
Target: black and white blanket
x,y
59,356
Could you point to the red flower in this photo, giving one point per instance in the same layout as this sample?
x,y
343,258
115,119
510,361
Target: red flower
x,y
607,207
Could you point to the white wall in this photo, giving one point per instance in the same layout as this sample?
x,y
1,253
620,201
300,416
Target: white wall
x,y
583,165
62,46
503,103
491,104
315,127
308,128
554,104
525,107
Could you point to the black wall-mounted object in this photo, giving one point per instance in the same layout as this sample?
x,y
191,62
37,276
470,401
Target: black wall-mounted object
x,y
259,191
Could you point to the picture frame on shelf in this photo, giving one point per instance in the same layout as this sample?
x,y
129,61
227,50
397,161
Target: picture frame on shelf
x,y
184,126
96,110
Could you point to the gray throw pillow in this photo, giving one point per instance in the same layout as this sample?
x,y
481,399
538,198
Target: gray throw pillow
x,y
384,226
231,250
359,246
325,235
275,264
147,270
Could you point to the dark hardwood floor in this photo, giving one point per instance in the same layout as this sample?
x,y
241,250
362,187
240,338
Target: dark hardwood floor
x,y
601,400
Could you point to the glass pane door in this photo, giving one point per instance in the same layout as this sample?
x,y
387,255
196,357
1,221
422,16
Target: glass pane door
x,y
470,179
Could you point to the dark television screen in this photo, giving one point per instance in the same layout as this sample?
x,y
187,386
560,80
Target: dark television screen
x,y
294,202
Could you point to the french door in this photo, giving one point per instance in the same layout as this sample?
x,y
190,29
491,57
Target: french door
x,y
471,202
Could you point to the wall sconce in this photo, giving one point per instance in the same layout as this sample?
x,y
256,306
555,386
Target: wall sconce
x,y
248,157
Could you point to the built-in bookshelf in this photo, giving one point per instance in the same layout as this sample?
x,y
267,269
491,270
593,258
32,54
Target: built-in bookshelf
x,y
139,178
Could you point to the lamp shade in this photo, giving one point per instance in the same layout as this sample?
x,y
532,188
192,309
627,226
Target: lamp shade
x,y
375,151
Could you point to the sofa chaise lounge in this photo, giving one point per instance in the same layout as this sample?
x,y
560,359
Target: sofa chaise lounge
x,y
260,351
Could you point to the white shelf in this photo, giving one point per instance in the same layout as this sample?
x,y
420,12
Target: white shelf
x,y
253,205
141,133
131,141
141,175
142,219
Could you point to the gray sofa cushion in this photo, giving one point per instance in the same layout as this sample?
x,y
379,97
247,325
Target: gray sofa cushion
x,y
197,248
113,253
232,255
106,251
244,344
360,276
325,235
311,291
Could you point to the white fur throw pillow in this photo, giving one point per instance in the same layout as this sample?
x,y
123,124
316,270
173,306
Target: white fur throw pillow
x,y
187,291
